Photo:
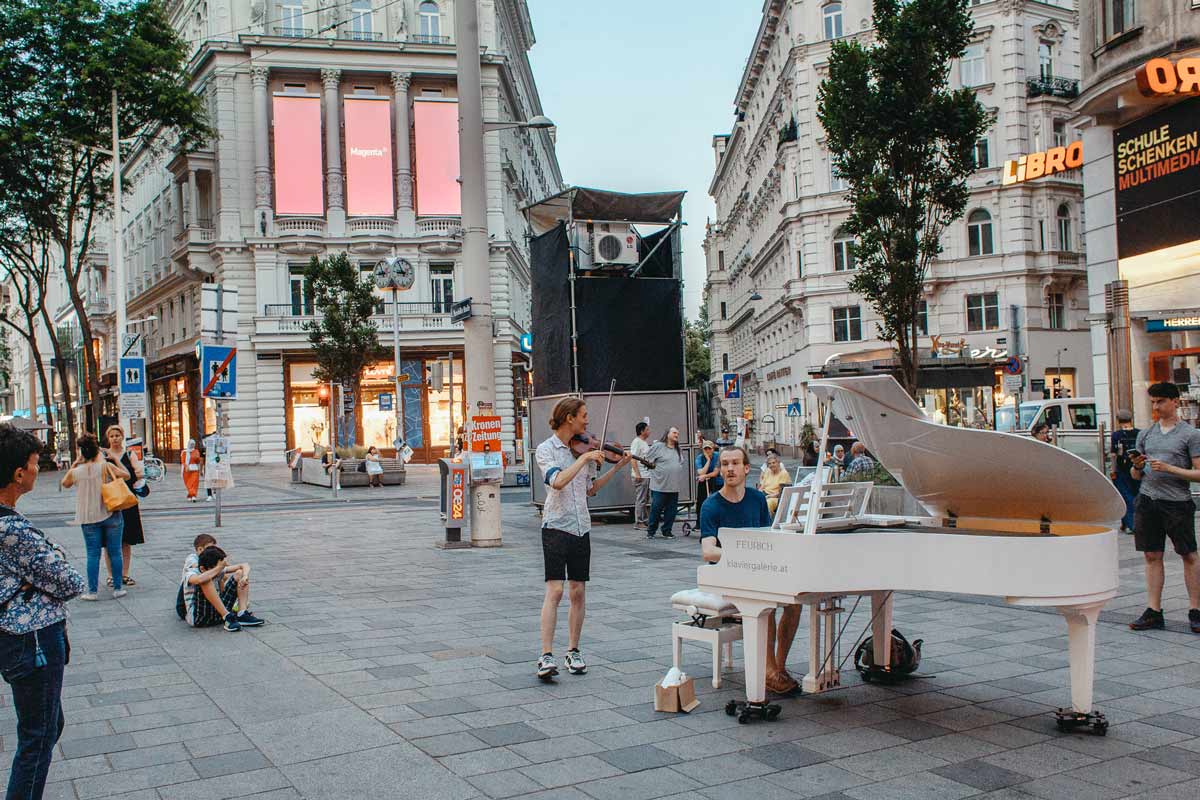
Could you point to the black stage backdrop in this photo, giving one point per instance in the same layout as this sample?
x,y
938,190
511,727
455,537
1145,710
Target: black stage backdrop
x,y
630,329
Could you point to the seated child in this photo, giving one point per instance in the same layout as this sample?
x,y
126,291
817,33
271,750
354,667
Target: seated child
x,y
210,587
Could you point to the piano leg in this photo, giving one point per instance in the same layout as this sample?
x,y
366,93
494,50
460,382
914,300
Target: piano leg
x,y
754,644
1081,639
881,628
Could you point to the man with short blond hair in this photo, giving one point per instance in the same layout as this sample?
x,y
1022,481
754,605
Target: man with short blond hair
x,y
737,506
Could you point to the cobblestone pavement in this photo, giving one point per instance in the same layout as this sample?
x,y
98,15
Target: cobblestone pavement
x,y
392,669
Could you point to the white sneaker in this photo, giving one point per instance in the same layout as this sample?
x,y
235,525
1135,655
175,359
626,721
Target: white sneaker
x,y
119,593
88,596
546,668
208,499
574,663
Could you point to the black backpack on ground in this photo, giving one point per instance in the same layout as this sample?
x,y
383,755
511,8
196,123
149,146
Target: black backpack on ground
x,y
906,656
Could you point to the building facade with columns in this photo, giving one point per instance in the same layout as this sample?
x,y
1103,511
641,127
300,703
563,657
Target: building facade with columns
x,y
1011,280
336,132
1140,117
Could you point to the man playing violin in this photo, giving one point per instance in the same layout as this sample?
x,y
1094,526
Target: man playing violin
x,y
566,522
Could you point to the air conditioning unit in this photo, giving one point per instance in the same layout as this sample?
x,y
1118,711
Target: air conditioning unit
x,y
614,244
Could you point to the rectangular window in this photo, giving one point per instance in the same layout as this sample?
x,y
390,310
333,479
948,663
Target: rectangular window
x,y
299,179
1119,17
983,312
799,264
1060,133
1054,304
301,292
982,160
843,255
847,324
973,67
361,24
923,317
725,362
291,18
435,127
836,182
1046,60
723,311
721,260
368,134
441,279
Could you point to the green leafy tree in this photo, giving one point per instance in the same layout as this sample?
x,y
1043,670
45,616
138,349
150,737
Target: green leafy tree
x,y
903,141
25,273
60,62
343,337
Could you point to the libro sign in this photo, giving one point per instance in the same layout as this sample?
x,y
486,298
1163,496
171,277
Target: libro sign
x,y
1159,77
1044,164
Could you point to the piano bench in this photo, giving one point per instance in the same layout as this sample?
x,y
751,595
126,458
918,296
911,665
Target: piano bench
x,y
713,621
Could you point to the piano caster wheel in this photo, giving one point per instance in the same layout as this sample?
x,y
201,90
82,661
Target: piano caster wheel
x,y
748,711
1069,720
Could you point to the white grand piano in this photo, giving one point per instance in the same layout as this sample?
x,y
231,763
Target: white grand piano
x,y
1008,516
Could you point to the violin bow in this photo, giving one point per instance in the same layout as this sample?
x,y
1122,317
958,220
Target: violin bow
x,y
604,431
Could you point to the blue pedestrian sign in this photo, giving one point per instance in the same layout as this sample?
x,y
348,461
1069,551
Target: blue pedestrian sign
x,y
132,375
733,385
793,409
218,371
385,401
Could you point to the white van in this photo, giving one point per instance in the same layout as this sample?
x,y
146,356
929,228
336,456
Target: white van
x,y
1066,414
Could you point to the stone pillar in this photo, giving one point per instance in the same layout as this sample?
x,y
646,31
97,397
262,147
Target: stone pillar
x,y
193,215
335,213
180,219
226,182
262,149
406,218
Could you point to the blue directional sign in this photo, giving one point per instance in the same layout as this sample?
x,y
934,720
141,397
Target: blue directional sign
x,y
526,342
385,401
733,385
132,375
218,371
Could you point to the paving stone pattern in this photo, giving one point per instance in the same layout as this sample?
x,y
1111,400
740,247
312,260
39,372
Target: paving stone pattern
x,y
391,669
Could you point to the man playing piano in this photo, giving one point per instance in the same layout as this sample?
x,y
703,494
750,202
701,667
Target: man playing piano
x,y
737,506
1166,460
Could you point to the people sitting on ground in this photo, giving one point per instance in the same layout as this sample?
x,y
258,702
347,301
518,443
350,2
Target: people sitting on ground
x,y
772,481
737,506
860,462
211,589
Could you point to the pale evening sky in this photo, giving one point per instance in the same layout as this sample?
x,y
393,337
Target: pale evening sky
x,y
637,90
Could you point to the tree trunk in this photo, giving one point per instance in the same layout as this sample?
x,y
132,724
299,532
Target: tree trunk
x,y
58,359
89,358
35,353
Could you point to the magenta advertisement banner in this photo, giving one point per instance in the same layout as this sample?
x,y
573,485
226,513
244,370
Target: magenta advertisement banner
x,y
299,187
369,171
435,128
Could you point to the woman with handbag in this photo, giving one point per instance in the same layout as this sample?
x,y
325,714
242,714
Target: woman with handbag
x,y
100,494
190,462
132,532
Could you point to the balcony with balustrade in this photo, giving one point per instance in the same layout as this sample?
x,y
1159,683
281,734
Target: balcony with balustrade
x,y
287,323
1052,86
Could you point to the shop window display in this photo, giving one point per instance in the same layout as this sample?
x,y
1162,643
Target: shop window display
x,y
966,407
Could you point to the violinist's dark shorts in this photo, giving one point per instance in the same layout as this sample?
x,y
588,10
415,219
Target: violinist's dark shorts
x,y
568,557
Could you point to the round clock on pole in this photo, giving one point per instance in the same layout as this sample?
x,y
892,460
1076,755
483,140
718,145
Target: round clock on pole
x,y
396,274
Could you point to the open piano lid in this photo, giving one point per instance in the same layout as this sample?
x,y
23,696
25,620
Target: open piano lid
x,y
964,471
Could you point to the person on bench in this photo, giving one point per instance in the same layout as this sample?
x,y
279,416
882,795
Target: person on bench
x,y
738,506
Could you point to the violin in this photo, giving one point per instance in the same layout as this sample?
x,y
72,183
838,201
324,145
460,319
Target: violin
x,y
586,442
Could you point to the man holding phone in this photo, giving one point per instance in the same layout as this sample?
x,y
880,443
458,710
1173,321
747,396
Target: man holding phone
x,y
1166,460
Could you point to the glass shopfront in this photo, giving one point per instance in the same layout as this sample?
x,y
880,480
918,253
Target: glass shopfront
x,y
427,412
171,416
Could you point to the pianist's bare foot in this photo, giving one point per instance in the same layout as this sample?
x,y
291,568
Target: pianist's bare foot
x,y
781,683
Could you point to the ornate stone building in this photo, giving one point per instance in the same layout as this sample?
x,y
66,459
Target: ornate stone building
x,y
336,131
1012,277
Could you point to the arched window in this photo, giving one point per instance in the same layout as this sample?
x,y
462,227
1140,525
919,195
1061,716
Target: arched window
x,y
979,233
430,21
843,251
1065,241
831,15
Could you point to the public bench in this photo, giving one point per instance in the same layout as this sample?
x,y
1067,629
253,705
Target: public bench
x,y
313,472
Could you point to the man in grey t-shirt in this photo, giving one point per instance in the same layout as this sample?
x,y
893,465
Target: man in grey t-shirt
x,y
1166,461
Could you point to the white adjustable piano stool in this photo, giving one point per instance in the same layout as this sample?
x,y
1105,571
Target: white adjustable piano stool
x,y
712,622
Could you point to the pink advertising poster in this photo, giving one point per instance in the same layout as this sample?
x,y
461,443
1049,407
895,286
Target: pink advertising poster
x,y
368,157
435,124
298,164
